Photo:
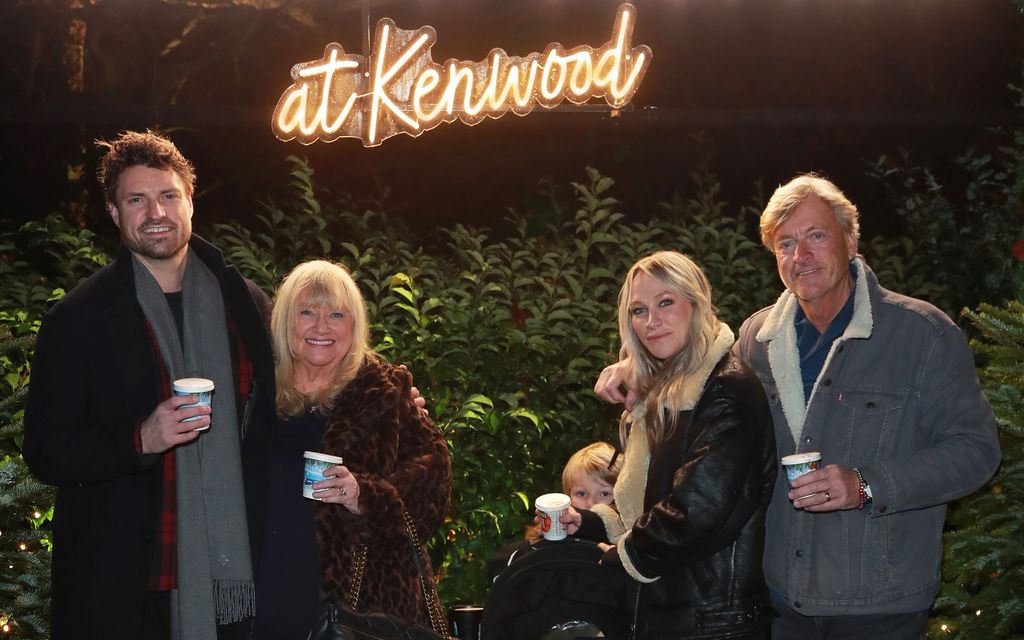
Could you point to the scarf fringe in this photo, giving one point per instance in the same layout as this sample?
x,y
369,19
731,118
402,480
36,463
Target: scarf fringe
x,y
235,600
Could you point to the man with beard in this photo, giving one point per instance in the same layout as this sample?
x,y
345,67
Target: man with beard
x,y
153,514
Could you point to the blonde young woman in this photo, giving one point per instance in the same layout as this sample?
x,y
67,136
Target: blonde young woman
x,y
336,396
688,521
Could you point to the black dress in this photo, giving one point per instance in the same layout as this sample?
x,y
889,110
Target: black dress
x,y
288,585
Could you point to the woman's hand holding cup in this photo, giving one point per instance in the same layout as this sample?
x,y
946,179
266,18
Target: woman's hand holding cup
x,y
339,486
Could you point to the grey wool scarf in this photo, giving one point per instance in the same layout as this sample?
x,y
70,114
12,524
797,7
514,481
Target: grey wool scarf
x,y
215,583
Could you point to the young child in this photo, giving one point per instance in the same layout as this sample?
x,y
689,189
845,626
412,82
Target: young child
x,y
588,478
590,474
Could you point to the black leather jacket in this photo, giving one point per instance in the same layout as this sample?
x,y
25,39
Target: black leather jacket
x,y
701,534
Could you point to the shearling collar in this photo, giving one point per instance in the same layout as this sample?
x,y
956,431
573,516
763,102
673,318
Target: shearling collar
x,y
631,485
779,331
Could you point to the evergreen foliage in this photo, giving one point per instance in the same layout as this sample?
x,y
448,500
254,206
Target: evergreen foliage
x,y
983,569
25,504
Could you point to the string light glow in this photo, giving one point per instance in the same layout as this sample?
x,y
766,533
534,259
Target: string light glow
x,y
399,89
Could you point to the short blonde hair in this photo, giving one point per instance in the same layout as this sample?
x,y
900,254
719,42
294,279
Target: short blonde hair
x,y
328,285
595,459
660,382
791,195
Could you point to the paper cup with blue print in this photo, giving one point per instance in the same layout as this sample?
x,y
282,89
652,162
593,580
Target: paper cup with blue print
x,y
316,464
798,464
201,388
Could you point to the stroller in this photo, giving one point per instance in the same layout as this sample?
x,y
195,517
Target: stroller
x,y
558,591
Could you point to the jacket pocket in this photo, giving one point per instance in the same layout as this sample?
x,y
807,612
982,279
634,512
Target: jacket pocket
x,y
873,416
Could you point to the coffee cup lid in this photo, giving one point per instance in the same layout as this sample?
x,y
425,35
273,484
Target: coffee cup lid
x,y
801,458
553,501
193,385
323,457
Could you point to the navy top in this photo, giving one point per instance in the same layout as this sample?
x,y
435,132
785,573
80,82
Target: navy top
x,y
814,346
288,586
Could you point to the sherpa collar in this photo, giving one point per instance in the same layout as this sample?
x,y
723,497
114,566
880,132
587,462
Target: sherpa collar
x,y
631,485
779,331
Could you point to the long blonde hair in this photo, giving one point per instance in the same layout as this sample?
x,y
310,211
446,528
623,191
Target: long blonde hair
x,y
660,382
329,285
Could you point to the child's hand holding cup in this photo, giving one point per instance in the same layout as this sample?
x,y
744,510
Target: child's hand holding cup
x,y
550,508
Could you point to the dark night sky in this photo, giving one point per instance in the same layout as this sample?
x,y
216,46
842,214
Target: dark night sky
x,y
774,86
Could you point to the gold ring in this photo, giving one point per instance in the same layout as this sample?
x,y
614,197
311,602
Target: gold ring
x,y
342,492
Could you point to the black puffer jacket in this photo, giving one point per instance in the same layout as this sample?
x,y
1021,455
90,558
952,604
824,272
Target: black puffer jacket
x,y
689,525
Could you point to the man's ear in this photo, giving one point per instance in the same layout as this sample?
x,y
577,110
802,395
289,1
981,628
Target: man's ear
x,y
114,214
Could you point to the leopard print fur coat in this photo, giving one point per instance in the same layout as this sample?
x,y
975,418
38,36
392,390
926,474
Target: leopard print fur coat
x,y
401,462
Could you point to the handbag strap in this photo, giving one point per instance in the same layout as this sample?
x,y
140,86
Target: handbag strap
x,y
437,618
358,570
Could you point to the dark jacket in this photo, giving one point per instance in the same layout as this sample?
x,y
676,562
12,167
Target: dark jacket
x,y
401,462
689,528
95,378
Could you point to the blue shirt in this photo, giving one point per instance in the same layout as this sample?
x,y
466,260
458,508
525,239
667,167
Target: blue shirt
x,y
814,346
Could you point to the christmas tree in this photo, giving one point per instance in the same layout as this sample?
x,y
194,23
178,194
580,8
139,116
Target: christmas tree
x,y
25,506
983,567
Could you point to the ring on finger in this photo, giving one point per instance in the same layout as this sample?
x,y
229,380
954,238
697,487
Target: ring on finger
x,y
342,492
828,497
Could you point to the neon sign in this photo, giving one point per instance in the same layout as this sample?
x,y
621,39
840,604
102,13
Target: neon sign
x,y
400,89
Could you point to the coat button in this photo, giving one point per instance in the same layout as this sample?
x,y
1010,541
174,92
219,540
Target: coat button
x,y
796,603
840,348
799,553
882,509
808,440
827,382
871,405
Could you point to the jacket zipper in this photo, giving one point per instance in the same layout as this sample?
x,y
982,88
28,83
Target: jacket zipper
x,y
636,613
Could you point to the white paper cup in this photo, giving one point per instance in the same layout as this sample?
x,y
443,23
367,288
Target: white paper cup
x,y
316,463
550,508
798,464
201,388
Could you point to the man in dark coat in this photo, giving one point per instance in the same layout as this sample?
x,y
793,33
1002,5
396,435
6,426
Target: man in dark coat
x,y
150,524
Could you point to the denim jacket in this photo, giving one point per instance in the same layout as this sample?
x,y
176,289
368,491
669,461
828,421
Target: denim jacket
x,y
899,399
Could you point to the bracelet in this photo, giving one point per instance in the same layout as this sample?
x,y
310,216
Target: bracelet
x,y
862,493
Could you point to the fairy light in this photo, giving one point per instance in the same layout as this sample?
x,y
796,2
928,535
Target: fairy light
x,y
978,612
398,88
22,546
36,515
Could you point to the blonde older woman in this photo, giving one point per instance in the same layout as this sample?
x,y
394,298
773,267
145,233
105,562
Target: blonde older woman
x,y
688,521
336,396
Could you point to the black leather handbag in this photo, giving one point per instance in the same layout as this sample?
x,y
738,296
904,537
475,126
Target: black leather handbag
x,y
335,622
339,622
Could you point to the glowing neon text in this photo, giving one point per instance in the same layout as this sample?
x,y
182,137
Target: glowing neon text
x,y
399,88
